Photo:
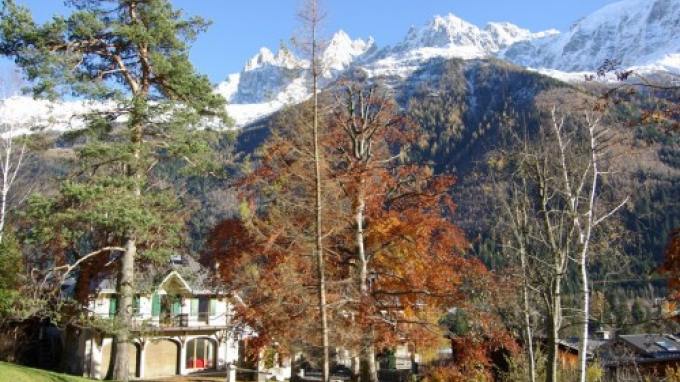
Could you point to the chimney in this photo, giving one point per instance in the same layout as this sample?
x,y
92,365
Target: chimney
x,y
602,334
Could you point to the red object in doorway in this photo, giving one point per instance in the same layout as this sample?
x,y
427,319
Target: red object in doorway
x,y
198,363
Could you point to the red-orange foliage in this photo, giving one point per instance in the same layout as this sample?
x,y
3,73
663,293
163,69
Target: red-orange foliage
x,y
671,265
416,253
417,263
474,358
270,282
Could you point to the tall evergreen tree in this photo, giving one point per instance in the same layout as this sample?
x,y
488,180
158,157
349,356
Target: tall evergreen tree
x,y
131,56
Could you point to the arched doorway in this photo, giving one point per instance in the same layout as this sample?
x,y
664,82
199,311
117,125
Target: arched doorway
x,y
160,358
133,354
200,354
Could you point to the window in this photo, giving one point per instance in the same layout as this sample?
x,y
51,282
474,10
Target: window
x,y
204,309
194,307
200,354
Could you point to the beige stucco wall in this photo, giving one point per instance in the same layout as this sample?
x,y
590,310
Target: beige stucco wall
x,y
161,358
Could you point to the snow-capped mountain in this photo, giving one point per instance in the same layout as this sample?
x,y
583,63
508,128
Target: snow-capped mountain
x,y
23,115
641,34
638,33
446,37
268,81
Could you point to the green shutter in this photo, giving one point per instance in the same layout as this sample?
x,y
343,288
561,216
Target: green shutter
x,y
135,304
194,307
176,305
155,305
113,306
213,306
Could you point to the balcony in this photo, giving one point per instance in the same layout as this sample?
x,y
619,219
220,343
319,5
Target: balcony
x,y
174,321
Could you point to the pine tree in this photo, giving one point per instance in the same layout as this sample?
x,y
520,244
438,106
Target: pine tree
x,y
132,56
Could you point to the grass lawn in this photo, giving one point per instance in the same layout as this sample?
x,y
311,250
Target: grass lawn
x,y
10,372
14,373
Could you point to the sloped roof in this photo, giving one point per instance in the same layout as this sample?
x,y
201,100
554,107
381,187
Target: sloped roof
x,y
654,345
572,344
151,282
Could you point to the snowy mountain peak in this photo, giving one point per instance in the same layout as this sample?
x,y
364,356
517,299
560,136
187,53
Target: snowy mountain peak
x,y
263,57
269,81
450,22
341,51
284,58
637,33
443,31
464,39
640,34
446,36
505,34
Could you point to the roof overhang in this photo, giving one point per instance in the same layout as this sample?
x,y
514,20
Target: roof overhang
x,y
174,283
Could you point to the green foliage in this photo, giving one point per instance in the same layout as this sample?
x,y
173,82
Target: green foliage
x,y
594,372
519,370
462,105
457,322
11,269
104,210
11,261
133,57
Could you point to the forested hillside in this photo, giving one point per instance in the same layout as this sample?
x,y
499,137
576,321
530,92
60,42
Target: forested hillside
x,y
465,112
340,208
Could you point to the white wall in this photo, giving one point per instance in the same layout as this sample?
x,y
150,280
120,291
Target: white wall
x,y
100,306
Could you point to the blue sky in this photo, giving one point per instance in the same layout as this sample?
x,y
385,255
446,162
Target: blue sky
x,y
241,27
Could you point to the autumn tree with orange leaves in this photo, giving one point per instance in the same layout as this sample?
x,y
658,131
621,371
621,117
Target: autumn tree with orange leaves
x,y
267,255
395,259
671,268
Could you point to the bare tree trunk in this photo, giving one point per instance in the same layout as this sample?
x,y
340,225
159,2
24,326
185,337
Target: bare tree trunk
x,y
369,372
5,185
583,230
554,323
319,252
318,201
361,252
527,317
583,344
126,276
583,258
369,369
9,166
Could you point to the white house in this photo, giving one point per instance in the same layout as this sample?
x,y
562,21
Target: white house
x,y
177,330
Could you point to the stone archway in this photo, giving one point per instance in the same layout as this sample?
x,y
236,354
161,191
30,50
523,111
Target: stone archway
x,y
201,354
160,358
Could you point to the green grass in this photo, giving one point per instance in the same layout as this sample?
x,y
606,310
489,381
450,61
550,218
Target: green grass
x,y
15,373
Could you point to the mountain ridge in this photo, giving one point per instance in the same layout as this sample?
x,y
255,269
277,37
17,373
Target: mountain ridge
x,y
563,55
638,33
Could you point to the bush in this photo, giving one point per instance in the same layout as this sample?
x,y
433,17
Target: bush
x,y
11,267
452,373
